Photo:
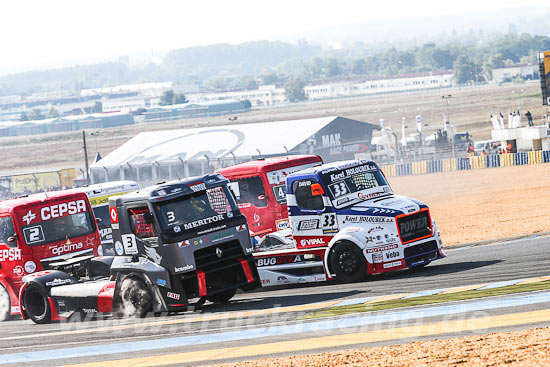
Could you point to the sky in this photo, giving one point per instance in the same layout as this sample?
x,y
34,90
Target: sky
x,y
43,34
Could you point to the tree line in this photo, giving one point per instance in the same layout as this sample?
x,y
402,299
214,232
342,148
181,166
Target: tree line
x,y
247,65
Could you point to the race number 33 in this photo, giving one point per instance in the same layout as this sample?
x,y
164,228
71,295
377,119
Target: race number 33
x,y
329,221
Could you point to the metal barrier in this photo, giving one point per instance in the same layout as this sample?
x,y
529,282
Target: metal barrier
x,y
492,160
463,164
404,169
390,170
535,157
521,158
477,162
419,168
435,166
507,159
449,164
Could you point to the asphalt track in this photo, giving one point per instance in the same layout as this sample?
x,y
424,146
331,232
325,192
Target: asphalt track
x,y
266,323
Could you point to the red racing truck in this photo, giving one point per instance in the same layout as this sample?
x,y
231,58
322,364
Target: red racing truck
x,y
260,189
41,232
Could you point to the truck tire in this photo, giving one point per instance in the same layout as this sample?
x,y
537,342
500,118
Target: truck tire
x,y
136,298
348,263
223,296
5,304
37,305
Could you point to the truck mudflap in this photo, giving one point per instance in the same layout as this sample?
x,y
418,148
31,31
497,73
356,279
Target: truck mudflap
x,y
237,273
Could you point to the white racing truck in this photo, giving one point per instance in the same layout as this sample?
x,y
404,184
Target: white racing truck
x,y
346,223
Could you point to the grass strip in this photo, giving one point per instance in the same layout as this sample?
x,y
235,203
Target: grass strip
x,y
425,300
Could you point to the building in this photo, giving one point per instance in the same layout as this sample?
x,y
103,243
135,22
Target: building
x,y
524,71
170,154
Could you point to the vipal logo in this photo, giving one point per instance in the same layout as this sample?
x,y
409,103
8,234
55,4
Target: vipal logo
x,y
29,217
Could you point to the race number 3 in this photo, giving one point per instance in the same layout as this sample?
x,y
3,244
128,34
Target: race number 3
x,y
130,245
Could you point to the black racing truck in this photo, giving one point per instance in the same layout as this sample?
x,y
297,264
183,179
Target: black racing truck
x,y
173,242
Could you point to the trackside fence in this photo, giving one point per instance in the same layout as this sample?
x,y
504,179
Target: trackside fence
x,y
466,163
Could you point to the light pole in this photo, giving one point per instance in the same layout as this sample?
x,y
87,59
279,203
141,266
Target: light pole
x,y
447,124
446,98
519,93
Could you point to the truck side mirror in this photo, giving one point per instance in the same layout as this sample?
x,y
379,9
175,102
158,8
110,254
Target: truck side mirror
x,y
261,197
316,189
98,220
12,240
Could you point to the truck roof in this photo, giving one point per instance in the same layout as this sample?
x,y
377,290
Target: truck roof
x,y
7,206
109,188
265,164
333,166
169,190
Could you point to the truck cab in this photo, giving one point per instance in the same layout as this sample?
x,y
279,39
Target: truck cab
x,y
346,214
260,190
38,231
173,242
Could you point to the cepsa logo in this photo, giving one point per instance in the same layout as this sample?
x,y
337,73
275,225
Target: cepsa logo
x,y
58,250
59,210
12,254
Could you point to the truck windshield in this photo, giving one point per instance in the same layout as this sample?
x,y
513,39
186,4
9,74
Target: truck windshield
x,y
58,229
194,212
355,184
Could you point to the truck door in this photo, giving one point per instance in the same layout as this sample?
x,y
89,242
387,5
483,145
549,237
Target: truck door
x,y
252,200
313,224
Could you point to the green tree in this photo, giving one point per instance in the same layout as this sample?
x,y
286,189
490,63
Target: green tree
x,y
179,98
333,69
167,98
359,67
294,91
23,117
36,114
246,103
52,113
464,70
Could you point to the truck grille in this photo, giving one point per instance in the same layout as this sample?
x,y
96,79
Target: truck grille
x,y
209,255
414,226
422,252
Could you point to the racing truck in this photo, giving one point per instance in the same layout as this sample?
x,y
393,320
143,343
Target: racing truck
x,y
260,189
173,242
39,232
346,223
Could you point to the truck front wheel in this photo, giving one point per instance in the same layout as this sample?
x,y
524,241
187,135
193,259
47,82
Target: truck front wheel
x,y
5,304
136,298
348,263
37,305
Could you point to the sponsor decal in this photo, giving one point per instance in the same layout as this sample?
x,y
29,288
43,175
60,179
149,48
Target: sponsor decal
x,y
202,222
312,242
282,224
106,233
30,267
355,219
352,171
175,296
377,257
278,260
372,195
342,201
15,309
114,215
330,231
320,278
229,214
256,217
18,270
183,268
161,192
199,186
283,279
89,310
241,228
68,247
387,190
183,243
304,183
222,238
265,281
308,224
392,202
392,254
375,229
177,229
62,209
301,280
383,211
244,205
161,282
381,249
29,217
392,265
57,282
409,209
12,254
414,225
119,249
